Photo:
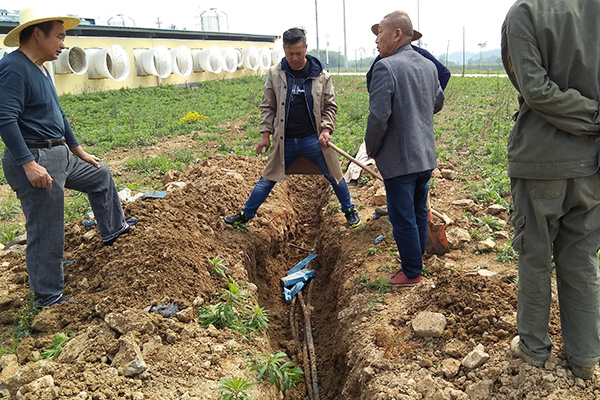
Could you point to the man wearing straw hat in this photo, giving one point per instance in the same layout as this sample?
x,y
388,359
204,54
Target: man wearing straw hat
x,y
37,160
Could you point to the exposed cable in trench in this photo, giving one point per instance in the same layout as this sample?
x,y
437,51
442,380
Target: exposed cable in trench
x,y
308,349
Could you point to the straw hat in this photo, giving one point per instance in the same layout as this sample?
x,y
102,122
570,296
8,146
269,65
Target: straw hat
x,y
416,34
29,16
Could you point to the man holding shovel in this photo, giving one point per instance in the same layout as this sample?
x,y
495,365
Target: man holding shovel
x,y
298,110
404,94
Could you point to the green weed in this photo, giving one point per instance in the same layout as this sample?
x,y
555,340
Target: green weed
x,y
281,373
9,208
9,232
24,316
235,389
506,253
53,352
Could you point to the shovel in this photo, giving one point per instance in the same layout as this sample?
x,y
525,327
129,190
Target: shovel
x,y
437,243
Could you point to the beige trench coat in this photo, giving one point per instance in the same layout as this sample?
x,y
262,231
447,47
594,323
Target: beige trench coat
x,y
272,114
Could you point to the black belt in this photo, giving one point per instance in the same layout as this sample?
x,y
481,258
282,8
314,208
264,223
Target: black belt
x,y
41,144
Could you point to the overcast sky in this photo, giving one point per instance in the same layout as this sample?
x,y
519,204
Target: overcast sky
x,y
441,21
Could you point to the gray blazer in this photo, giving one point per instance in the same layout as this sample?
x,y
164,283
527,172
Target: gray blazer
x,y
404,95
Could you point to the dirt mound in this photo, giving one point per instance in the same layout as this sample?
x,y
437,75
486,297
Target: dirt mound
x,y
364,342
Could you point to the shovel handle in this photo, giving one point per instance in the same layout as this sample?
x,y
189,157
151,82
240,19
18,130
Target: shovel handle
x,y
355,161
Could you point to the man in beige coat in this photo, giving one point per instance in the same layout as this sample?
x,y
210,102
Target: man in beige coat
x,y
298,109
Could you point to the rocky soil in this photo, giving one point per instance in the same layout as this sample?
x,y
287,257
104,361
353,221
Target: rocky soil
x,y
446,339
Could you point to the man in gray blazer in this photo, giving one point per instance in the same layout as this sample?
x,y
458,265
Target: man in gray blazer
x,y
404,95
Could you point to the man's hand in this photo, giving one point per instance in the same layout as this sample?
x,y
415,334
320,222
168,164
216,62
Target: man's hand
x,y
38,175
85,156
325,137
264,143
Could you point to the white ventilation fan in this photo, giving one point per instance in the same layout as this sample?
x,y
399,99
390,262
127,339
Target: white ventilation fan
x,y
157,61
111,62
264,57
71,61
230,59
209,60
6,50
239,58
182,61
276,56
250,58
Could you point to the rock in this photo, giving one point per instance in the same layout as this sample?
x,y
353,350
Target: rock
x,y
379,198
487,273
151,345
43,388
450,367
128,360
186,315
21,240
475,358
49,319
455,348
486,245
130,320
464,203
429,324
74,350
89,235
172,186
426,386
481,390
501,235
457,237
448,174
496,209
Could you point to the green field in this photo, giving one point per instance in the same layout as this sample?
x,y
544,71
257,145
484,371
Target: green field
x,y
471,131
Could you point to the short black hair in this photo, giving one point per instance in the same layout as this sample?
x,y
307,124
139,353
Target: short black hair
x,y
45,27
293,36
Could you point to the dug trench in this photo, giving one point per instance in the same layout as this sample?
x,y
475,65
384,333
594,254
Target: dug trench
x,y
365,346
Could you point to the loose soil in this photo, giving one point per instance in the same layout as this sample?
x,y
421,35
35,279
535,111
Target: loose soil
x,y
364,343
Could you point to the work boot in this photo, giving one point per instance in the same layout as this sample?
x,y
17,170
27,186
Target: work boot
x,y
239,218
582,372
352,217
515,349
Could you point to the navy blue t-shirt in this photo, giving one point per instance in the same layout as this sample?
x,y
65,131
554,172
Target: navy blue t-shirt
x,y
29,107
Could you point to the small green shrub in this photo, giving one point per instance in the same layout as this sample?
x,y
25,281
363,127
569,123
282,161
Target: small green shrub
x,y
24,316
9,208
281,373
53,352
235,389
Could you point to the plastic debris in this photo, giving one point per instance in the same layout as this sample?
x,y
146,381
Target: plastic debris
x,y
302,264
376,215
288,294
154,194
300,276
126,195
87,223
379,238
166,311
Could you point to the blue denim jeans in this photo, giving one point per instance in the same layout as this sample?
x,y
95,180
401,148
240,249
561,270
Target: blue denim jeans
x,y
309,148
44,212
407,209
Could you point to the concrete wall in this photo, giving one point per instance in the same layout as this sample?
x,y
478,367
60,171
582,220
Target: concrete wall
x,y
75,84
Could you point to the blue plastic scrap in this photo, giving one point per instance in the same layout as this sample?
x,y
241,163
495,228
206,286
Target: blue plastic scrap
x,y
155,194
288,294
379,238
300,276
376,215
302,264
88,223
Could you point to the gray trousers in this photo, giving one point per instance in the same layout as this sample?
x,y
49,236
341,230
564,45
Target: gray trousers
x,y
558,219
44,212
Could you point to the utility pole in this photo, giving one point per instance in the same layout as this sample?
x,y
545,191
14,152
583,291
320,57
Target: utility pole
x,y
158,22
317,23
345,50
327,51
